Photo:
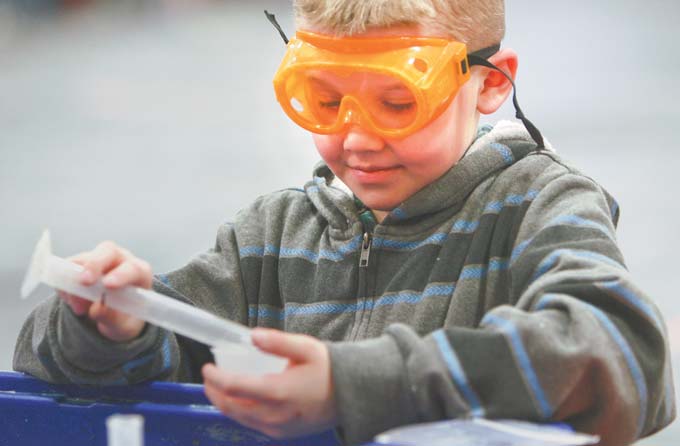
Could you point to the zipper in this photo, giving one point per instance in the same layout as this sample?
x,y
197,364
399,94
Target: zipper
x,y
362,288
365,249
368,223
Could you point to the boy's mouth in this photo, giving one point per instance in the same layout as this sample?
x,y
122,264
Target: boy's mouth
x,y
372,173
371,168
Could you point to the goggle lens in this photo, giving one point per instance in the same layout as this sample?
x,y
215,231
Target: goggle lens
x,y
330,99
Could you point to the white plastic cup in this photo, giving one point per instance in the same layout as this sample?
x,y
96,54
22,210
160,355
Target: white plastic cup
x,y
125,430
243,359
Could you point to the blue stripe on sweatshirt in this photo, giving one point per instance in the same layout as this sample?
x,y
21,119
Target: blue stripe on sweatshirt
x,y
459,226
632,362
407,296
504,150
458,374
575,220
399,213
629,296
313,257
164,279
439,238
495,207
165,355
571,220
435,239
519,249
520,353
550,261
479,271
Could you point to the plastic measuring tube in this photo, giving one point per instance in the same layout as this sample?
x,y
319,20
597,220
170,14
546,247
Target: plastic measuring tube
x,y
148,305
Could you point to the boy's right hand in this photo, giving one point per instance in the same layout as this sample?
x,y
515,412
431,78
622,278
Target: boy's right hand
x,y
117,267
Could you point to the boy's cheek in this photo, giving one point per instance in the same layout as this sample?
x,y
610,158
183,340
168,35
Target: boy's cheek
x,y
328,146
321,142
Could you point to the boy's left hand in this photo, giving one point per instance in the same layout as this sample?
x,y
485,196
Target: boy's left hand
x,y
295,402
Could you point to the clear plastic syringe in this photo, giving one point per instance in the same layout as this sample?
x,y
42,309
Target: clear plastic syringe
x,y
148,305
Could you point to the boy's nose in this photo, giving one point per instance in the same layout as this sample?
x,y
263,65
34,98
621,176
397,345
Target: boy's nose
x,y
359,139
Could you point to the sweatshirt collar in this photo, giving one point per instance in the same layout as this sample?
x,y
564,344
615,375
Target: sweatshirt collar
x,y
494,149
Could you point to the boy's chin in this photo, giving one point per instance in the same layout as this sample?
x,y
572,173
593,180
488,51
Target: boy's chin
x,y
379,203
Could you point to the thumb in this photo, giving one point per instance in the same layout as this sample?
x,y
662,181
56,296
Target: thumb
x,y
297,348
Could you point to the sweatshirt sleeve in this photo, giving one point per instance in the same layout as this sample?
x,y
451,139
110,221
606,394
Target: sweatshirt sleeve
x,y
56,345
579,343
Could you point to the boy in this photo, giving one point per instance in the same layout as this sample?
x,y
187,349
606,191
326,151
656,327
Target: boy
x,y
469,272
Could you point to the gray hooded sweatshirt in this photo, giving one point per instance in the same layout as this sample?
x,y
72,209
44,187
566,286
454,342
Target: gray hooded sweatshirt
x,y
498,290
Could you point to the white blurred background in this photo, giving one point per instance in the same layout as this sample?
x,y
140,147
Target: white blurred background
x,y
152,122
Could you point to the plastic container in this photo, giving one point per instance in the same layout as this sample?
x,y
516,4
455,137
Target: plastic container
x,y
33,412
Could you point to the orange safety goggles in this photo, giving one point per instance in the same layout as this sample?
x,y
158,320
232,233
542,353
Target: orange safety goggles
x,y
391,86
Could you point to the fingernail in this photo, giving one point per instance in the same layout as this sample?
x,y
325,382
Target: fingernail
x,y
87,277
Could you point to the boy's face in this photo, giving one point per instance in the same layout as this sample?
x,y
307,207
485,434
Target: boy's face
x,y
384,172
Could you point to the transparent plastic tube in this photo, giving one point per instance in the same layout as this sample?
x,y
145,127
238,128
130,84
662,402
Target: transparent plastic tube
x,y
148,305
154,308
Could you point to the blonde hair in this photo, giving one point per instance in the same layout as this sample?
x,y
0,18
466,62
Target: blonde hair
x,y
477,23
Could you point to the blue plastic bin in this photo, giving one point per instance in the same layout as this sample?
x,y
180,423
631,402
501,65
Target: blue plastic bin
x,y
33,412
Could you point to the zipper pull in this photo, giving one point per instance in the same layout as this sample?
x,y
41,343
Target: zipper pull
x,y
365,250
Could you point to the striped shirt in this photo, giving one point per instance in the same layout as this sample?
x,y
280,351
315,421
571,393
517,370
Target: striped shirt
x,y
496,291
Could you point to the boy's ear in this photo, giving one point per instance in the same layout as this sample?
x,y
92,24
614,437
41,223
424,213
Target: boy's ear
x,y
495,88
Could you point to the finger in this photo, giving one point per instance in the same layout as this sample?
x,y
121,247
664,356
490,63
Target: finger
x,y
130,272
242,403
245,386
78,305
99,312
231,407
103,258
80,258
297,348
253,415
114,324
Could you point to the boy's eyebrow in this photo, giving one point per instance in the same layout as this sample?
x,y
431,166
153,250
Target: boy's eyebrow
x,y
321,83
396,86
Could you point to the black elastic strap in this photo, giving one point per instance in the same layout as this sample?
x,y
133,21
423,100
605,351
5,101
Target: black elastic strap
x,y
476,59
272,19
487,52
